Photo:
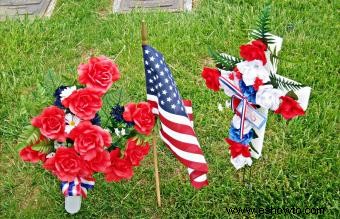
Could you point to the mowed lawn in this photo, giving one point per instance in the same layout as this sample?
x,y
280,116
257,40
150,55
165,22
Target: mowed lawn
x,y
300,163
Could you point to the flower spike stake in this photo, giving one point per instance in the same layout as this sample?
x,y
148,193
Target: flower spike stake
x,y
71,142
255,87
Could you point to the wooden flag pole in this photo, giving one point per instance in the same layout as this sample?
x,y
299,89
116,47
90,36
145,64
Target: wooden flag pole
x,y
154,140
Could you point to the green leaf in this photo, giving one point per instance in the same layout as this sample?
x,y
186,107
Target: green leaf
x,y
261,31
292,95
29,136
253,148
279,82
43,146
225,62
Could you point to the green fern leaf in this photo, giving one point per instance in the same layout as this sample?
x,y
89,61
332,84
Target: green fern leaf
x,y
224,62
262,29
279,82
29,136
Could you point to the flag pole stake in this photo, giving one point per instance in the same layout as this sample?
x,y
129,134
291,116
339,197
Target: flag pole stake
x,y
154,140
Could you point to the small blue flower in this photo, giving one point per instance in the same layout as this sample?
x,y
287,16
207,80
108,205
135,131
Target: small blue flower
x,y
248,91
117,113
96,120
234,134
57,101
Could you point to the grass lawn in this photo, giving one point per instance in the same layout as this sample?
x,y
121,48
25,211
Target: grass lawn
x,y
300,163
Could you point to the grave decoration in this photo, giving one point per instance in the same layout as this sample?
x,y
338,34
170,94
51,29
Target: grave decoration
x,y
69,139
255,87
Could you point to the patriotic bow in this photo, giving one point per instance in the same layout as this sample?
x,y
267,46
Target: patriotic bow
x,y
246,110
77,187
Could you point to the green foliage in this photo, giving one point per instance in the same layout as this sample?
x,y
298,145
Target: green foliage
x,y
279,82
262,29
223,61
43,146
30,135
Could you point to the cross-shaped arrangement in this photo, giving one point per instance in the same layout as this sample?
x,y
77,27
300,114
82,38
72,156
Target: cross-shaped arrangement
x,y
255,87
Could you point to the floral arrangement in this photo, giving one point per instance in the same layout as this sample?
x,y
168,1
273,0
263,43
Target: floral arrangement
x,y
70,141
255,88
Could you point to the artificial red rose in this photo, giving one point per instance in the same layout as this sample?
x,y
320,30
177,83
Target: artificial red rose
x,y
101,161
119,169
211,77
236,148
135,153
99,73
51,123
29,155
255,50
89,140
67,165
84,103
257,83
141,115
289,108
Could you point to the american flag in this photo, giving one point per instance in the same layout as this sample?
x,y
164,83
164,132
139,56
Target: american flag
x,y
175,116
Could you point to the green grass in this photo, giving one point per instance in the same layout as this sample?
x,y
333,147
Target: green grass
x,y
300,163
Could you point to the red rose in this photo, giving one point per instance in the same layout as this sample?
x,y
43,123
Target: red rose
x,y
136,153
257,83
51,123
29,155
99,73
67,164
89,139
289,108
119,169
255,50
211,77
237,148
140,114
101,161
84,103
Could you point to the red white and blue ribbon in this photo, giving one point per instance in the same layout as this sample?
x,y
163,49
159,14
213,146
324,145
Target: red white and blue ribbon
x,y
237,93
78,187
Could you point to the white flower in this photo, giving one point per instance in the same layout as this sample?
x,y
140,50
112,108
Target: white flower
x,y
220,107
236,123
251,70
120,133
241,161
227,90
268,97
67,92
59,144
71,122
50,155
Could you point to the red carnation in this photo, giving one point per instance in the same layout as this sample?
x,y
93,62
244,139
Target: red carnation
x,y
289,108
211,77
237,148
29,155
67,165
135,152
101,161
237,73
255,50
84,103
51,123
99,73
119,169
141,115
89,139
257,83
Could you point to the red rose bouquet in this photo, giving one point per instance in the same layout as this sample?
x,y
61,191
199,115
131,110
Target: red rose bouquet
x,y
70,142
255,88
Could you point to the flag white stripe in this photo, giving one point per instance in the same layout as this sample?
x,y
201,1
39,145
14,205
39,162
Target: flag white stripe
x,y
183,154
174,118
190,139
